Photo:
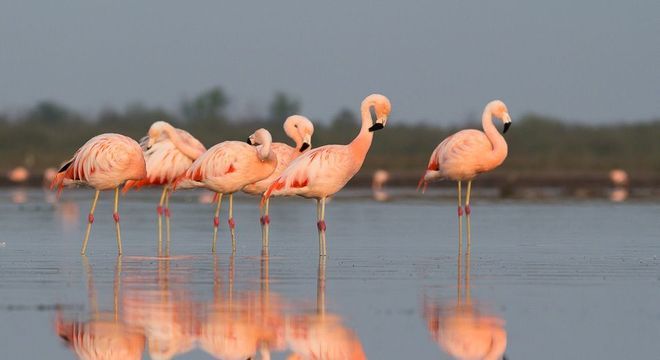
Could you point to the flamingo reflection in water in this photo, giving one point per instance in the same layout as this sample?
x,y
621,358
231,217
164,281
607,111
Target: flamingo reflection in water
x,y
461,328
321,335
237,326
164,313
104,336
157,311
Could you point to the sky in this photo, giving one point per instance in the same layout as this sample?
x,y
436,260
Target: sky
x,y
592,61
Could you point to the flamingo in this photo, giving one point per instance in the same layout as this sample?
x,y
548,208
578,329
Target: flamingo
x,y
228,166
104,162
300,130
324,171
168,152
463,155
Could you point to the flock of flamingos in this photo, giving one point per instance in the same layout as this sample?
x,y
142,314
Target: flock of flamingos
x,y
174,159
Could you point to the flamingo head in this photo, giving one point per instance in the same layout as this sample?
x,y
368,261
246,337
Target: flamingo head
x,y
155,131
499,110
300,129
382,108
262,140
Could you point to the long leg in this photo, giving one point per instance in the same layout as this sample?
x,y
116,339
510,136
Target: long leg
x,y
321,226
167,223
320,287
115,215
159,210
90,221
467,214
232,223
216,221
265,221
460,220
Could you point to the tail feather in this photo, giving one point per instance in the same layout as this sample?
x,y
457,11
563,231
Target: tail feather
x,y
276,185
423,184
58,181
137,184
178,180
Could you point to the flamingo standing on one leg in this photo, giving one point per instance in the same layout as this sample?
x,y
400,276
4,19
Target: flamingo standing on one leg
x,y
300,129
322,172
228,166
105,162
168,152
467,153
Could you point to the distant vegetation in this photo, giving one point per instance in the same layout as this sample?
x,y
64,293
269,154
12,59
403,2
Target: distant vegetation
x,y
48,133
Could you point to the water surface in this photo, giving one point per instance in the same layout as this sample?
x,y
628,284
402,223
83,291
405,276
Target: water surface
x,y
566,279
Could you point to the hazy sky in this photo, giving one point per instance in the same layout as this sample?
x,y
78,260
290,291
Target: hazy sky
x,y
438,61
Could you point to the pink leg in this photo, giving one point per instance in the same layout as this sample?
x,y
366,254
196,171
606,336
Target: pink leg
x,y
265,224
232,223
216,221
320,208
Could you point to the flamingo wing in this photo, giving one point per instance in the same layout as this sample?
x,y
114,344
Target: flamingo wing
x,y
191,141
463,147
326,161
103,153
219,160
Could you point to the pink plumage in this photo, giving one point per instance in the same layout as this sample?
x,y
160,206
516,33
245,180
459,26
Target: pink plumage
x,y
227,167
464,155
168,153
300,130
104,162
322,172
467,153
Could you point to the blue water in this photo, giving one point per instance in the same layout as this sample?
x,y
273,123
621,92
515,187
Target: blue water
x,y
567,279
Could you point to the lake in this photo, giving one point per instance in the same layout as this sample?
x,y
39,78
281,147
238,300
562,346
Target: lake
x,y
561,279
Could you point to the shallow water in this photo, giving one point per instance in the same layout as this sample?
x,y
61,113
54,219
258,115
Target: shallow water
x,y
572,280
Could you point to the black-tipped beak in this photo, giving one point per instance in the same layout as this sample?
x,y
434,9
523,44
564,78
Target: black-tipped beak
x,y
249,141
506,127
376,126
304,147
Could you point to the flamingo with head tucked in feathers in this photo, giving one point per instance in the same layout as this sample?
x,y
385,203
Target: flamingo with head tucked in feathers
x,y
168,152
300,130
105,162
464,155
322,172
228,166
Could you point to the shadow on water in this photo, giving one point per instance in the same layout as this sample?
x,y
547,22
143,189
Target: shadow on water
x,y
461,327
155,309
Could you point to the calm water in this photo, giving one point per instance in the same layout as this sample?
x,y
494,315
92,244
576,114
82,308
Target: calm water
x,y
561,280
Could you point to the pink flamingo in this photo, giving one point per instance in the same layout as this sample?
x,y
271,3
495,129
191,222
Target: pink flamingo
x,y
105,162
300,129
168,152
228,166
322,172
467,153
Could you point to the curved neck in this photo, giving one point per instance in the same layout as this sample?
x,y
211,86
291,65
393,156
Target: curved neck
x,y
500,147
264,150
362,142
294,134
181,145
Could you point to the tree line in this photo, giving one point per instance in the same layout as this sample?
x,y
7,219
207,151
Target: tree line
x,y
48,133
